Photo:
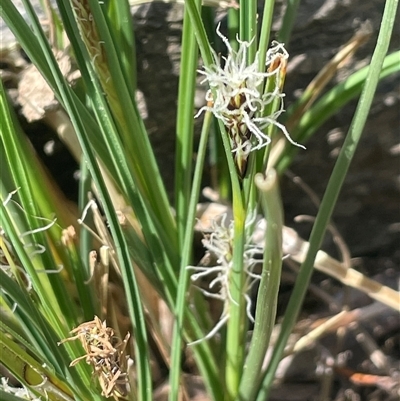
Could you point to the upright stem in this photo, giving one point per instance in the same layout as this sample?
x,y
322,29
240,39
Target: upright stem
x,y
236,302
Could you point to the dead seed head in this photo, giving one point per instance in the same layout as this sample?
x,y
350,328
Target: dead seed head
x,y
105,352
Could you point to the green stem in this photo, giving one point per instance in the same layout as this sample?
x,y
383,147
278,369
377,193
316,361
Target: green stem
x,y
248,26
184,129
236,308
269,285
181,301
265,33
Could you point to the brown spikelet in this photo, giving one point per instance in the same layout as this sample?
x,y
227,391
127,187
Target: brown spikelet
x,y
105,352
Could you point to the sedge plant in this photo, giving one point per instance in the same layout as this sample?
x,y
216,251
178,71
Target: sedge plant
x,y
67,333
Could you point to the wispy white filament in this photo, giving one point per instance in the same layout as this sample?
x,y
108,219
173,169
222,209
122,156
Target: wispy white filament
x,y
219,243
238,80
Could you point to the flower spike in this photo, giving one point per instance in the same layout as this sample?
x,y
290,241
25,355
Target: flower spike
x,y
235,97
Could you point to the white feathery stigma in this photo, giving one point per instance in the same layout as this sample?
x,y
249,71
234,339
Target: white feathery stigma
x,y
219,243
239,100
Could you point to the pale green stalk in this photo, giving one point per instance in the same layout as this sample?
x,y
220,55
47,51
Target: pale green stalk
x,y
265,32
269,285
185,124
248,26
201,350
236,305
